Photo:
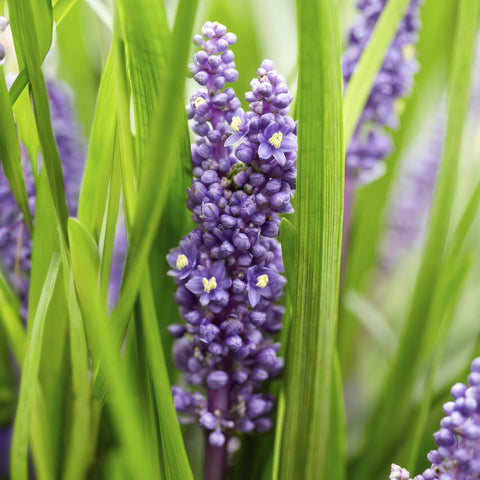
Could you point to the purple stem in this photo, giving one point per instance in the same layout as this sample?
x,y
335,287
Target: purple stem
x,y
215,467
5,440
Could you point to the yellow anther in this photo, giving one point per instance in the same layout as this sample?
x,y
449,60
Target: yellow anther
x,y
408,51
209,284
182,262
236,122
199,101
262,280
276,140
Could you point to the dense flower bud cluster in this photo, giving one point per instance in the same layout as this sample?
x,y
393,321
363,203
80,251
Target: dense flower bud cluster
x,y
228,269
370,142
458,440
15,240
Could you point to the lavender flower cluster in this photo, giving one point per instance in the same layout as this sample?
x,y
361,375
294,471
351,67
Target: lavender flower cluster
x,y
228,269
15,240
412,198
458,440
370,142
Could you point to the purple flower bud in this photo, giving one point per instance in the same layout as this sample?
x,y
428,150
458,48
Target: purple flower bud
x,y
216,439
263,424
217,379
208,421
176,330
234,342
201,78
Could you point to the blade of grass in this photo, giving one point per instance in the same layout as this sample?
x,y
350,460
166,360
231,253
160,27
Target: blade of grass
x,y
17,340
336,468
101,151
79,453
12,323
451,282
393,401
361,83
175,457
85,261
147,37
10,152
61,8
126,140
31,27
156,175
19,449
306,447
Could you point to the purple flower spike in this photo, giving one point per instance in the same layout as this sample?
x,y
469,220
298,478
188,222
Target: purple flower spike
x,y
458,440
370,142
228,269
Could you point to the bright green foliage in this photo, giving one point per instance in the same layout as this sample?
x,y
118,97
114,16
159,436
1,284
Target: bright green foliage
x,y
93,396
305,442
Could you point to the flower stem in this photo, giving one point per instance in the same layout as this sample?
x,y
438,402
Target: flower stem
x,y
215,467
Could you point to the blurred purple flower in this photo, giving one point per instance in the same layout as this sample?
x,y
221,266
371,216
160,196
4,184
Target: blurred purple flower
x,y
371,142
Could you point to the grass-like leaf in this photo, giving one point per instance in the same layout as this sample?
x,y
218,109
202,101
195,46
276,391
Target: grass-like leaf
x,y
85,262
101,151
19,463
175,457
79,452
156,175
306,446
32,29
10,152
61,8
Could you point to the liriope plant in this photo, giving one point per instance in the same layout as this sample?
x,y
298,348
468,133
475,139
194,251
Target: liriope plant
x,y
275,297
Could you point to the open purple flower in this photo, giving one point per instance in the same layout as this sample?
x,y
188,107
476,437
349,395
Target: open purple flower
x,y
183,259
210,284
239,128
275,141
260,282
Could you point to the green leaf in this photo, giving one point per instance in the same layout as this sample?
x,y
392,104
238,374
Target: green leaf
x,y
85,263
12,323
389,414
10,152
175,457
306,446
336,468
32,28
361,83
156,175
61,8
101,152
147,38
19,449
79,453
